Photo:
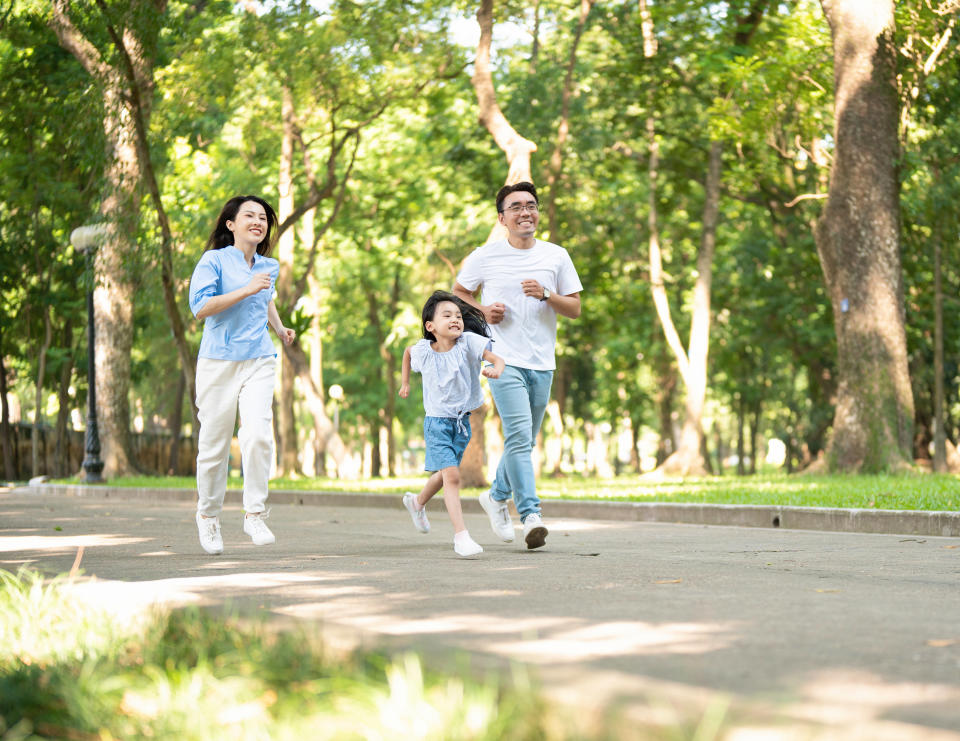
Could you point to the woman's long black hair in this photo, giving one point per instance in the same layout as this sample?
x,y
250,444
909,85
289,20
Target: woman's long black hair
x,y
220,237
473,320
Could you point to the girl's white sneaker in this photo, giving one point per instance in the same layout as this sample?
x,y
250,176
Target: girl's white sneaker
x,y
419,516
465,546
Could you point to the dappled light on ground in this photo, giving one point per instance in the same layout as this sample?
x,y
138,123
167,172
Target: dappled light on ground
x,y
63,542
623,638
846,696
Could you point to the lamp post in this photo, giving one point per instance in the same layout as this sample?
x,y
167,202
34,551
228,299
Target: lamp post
x,y
85,239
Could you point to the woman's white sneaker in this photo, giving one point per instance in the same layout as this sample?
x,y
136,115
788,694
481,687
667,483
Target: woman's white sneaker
x,y
210,539
256,528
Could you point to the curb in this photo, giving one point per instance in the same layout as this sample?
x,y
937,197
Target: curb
x,y
880,521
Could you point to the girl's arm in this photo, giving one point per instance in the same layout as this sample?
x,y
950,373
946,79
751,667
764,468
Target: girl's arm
x,y
216,304
496,369
405,375
273,318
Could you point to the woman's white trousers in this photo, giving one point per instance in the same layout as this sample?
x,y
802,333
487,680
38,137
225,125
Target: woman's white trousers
x,y
223,386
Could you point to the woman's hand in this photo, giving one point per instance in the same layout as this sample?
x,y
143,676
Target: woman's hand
x,y
257,283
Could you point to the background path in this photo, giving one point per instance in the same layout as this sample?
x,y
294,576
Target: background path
x,y
792,634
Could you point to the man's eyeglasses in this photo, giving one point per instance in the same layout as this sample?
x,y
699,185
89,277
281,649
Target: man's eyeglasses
x,y
519,208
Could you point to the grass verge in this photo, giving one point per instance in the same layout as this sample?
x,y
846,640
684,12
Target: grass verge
x,y
936,492
69,669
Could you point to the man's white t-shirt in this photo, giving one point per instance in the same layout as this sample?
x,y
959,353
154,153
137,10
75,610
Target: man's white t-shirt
x,y
527,336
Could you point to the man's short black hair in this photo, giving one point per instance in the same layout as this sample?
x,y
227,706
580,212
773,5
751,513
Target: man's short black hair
x,y
508,189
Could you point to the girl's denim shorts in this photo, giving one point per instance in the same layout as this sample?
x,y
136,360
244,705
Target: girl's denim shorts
x,y
446,439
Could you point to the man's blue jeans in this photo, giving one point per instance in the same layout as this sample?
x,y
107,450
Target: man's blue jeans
x,y
521,396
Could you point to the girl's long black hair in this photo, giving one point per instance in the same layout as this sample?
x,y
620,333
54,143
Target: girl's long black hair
x,y
473,320
220,237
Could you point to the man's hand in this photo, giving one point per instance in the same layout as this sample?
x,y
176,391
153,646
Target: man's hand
x,y
494,312
404,390
532,288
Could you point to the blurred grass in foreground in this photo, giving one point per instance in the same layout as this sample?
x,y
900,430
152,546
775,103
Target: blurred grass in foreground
x,y
924,491
71,669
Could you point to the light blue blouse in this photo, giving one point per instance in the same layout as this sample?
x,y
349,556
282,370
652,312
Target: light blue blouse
x,y
240,332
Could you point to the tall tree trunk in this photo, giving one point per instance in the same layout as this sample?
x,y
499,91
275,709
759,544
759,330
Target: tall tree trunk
x,y
688,459
175,424
517,150
6,434
939,407
555,167
741,450
388,410
858,239
115,285
38,396
61,454
286,417
314,399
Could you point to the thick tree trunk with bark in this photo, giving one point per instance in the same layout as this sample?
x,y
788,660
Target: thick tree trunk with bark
x,y
125,109
113,300
517,150
858,239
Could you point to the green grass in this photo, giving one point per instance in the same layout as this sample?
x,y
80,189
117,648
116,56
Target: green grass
x,y
69,669
922,491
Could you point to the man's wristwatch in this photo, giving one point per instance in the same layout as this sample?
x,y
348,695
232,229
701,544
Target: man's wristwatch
x,y
546,294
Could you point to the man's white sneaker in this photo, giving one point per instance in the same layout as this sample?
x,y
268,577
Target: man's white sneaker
x,y
534,531
465,546
419,516
499,515
256,528
210,539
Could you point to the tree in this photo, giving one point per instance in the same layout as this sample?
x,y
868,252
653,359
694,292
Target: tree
x,y
128,52
858,239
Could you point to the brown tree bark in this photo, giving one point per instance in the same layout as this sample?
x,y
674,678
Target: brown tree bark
x,y
555,166
115,286
38,397
175,424
388,411
517,150
6,434
61,453
939,404
288,460
690,457
858,240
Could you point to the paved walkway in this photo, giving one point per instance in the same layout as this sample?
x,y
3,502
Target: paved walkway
x,y
792,634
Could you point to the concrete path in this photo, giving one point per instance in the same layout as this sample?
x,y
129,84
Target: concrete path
x,y
787,634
